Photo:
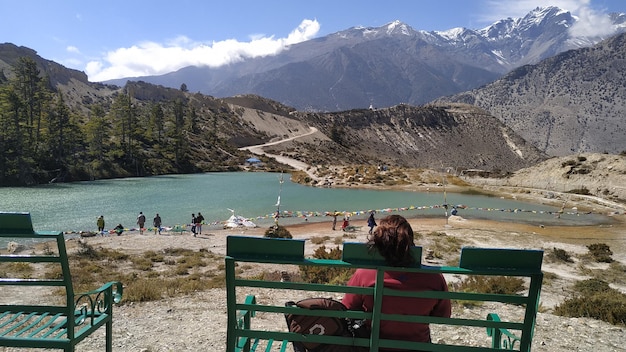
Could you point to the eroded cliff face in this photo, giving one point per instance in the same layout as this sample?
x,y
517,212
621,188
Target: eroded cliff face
x,y
448,136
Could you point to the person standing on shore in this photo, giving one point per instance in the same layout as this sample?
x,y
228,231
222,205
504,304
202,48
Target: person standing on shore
x,y
371,222
334,220
100,223
156,222
193,224
141,221
199,220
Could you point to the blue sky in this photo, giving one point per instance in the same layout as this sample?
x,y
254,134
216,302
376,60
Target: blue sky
x,y
123,38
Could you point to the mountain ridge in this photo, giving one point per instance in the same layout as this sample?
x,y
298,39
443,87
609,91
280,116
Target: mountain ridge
x,y
307,75
211,130
570,103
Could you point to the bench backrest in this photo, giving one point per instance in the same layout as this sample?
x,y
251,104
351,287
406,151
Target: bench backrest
x,y
473,261
16,268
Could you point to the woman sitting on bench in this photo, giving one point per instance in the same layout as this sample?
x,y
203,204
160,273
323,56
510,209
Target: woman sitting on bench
x,y
393,239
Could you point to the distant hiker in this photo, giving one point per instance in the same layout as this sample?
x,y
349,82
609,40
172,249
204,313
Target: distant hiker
x,y
346,222
199,220
193,224
371,222
100,223
156,222
141,221
334,219
119,229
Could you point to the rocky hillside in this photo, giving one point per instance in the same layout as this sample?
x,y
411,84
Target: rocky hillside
x,y
599,175
571,103
456,136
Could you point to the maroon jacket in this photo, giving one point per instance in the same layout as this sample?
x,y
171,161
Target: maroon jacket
x,y
401,305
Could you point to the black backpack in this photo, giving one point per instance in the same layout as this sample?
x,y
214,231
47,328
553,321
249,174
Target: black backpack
x,y
330,326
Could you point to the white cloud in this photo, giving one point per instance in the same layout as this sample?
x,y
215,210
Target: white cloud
x,y
72,49
149,58
591,23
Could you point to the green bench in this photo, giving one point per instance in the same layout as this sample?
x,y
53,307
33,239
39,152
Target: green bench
x,y
38,306
514,333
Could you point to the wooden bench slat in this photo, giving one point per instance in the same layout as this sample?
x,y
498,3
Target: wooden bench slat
x,y
30,259
501,259
16,224
31,282
265,248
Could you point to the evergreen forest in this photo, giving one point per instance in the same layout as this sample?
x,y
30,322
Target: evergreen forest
x,y
43,139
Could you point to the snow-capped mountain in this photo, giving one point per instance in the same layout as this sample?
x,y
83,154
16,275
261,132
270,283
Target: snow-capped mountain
x,y
392,64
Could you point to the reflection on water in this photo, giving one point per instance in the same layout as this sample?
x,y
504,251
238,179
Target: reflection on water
x,y
76,206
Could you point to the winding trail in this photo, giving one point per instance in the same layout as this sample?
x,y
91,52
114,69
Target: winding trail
x,y
296,164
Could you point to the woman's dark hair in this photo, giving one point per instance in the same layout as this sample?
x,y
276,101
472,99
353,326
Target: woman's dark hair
x,y
393,239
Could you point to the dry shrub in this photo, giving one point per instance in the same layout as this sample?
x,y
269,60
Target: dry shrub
x,y
595,299
490,284
24,270
324,274
600,252
559,255
154,256
141,263
278,231
487,284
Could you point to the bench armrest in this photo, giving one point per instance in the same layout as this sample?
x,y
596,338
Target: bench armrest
x,y
96,302
243,316
501,338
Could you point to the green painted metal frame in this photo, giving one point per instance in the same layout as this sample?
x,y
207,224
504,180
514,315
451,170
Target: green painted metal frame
x,y
474,261
52,326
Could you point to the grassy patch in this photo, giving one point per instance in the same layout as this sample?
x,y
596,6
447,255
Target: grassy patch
x,y
141,263
144,276
319,239
442,245
18,270
615,273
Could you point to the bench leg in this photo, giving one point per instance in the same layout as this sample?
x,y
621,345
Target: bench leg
x,y
109,336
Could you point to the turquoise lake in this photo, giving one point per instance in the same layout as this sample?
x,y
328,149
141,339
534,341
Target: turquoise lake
x,y
75,207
